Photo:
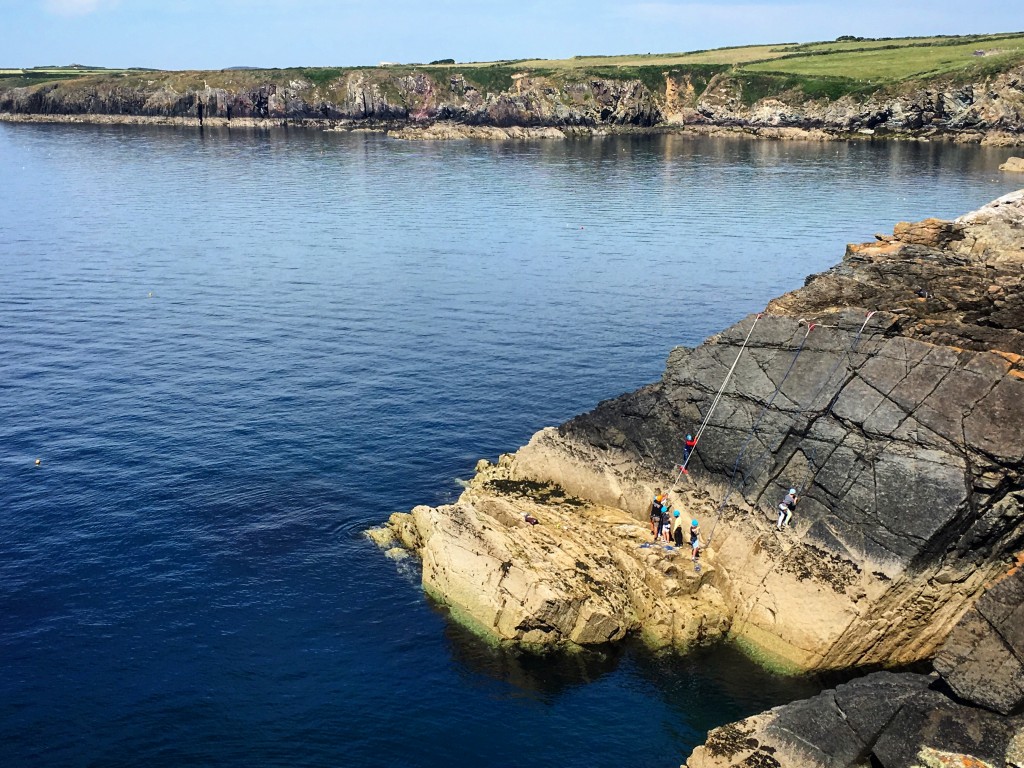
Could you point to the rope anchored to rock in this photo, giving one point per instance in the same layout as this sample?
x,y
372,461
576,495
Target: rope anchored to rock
x,y
828,377
714,404
753,431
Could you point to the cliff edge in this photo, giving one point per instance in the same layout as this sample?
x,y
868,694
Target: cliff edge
x,y
889,391
502,101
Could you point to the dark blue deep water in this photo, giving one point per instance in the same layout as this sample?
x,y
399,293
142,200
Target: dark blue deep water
x,y
233,352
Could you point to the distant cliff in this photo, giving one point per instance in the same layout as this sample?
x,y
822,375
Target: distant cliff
x,y
698,96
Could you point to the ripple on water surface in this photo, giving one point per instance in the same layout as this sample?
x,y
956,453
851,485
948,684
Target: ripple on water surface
x,y
236,350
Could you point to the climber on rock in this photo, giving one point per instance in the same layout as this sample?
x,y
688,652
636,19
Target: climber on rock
x,y
688,447
786,507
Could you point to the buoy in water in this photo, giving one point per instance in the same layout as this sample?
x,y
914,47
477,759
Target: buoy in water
x,y
38,462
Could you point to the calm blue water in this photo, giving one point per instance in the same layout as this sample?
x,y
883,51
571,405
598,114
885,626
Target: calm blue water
x,y
233,352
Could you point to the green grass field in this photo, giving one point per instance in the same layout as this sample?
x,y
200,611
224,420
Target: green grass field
x,y
875,60
896,61
820,69
717,56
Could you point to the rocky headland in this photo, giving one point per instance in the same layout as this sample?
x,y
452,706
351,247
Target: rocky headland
x,y
967,714
506,102
889,391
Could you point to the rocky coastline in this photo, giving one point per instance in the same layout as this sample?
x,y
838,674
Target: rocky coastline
x,y
969,713
890,391
497,103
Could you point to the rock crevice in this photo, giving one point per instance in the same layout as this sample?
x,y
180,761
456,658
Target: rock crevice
x,y
494,102
903,431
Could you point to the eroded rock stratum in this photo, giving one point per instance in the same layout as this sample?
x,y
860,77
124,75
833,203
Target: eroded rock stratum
x,y
903,431
968,714
889,391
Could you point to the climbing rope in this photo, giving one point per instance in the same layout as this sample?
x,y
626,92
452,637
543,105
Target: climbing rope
x,y
714,404
812,459
753,431
828,377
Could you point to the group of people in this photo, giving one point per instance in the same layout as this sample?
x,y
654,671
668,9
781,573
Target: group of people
x,y
670,526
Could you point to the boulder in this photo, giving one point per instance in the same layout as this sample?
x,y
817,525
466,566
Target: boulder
x,y
933,233
982,660
1013,164
838,728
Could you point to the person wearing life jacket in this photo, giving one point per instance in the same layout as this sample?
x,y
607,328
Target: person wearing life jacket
x,y
688,447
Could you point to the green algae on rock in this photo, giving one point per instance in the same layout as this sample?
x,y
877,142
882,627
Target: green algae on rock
x,y
904,435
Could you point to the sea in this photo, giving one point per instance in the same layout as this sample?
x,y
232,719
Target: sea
x,y
225,354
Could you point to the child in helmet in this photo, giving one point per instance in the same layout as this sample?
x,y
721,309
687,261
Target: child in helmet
x,y
677,529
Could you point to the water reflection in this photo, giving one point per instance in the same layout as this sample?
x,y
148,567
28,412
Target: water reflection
x,y
236,348
544,677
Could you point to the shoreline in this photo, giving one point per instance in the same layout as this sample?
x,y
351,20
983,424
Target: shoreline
x,y
453,131
812,599
904,554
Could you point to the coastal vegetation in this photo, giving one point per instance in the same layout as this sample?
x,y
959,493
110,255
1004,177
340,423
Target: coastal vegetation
x,y
820,69
964,88
893,61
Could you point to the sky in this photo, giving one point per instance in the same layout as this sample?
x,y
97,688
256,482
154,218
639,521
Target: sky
x,y
214,34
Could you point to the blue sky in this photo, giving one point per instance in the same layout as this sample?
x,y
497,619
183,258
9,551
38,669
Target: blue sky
x,y
212,34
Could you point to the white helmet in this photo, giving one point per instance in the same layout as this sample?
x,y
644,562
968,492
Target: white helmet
x,y
792,491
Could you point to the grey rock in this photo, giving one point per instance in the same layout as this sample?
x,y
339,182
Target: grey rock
x,y
932,720
982,660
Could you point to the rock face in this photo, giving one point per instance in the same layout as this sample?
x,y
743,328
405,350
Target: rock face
x,y
983,657
584,574
902,720
1015,164
994,106
903,431
703,97
373,97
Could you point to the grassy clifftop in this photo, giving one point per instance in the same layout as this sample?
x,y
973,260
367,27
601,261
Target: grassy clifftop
x,y
823,69
968,86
